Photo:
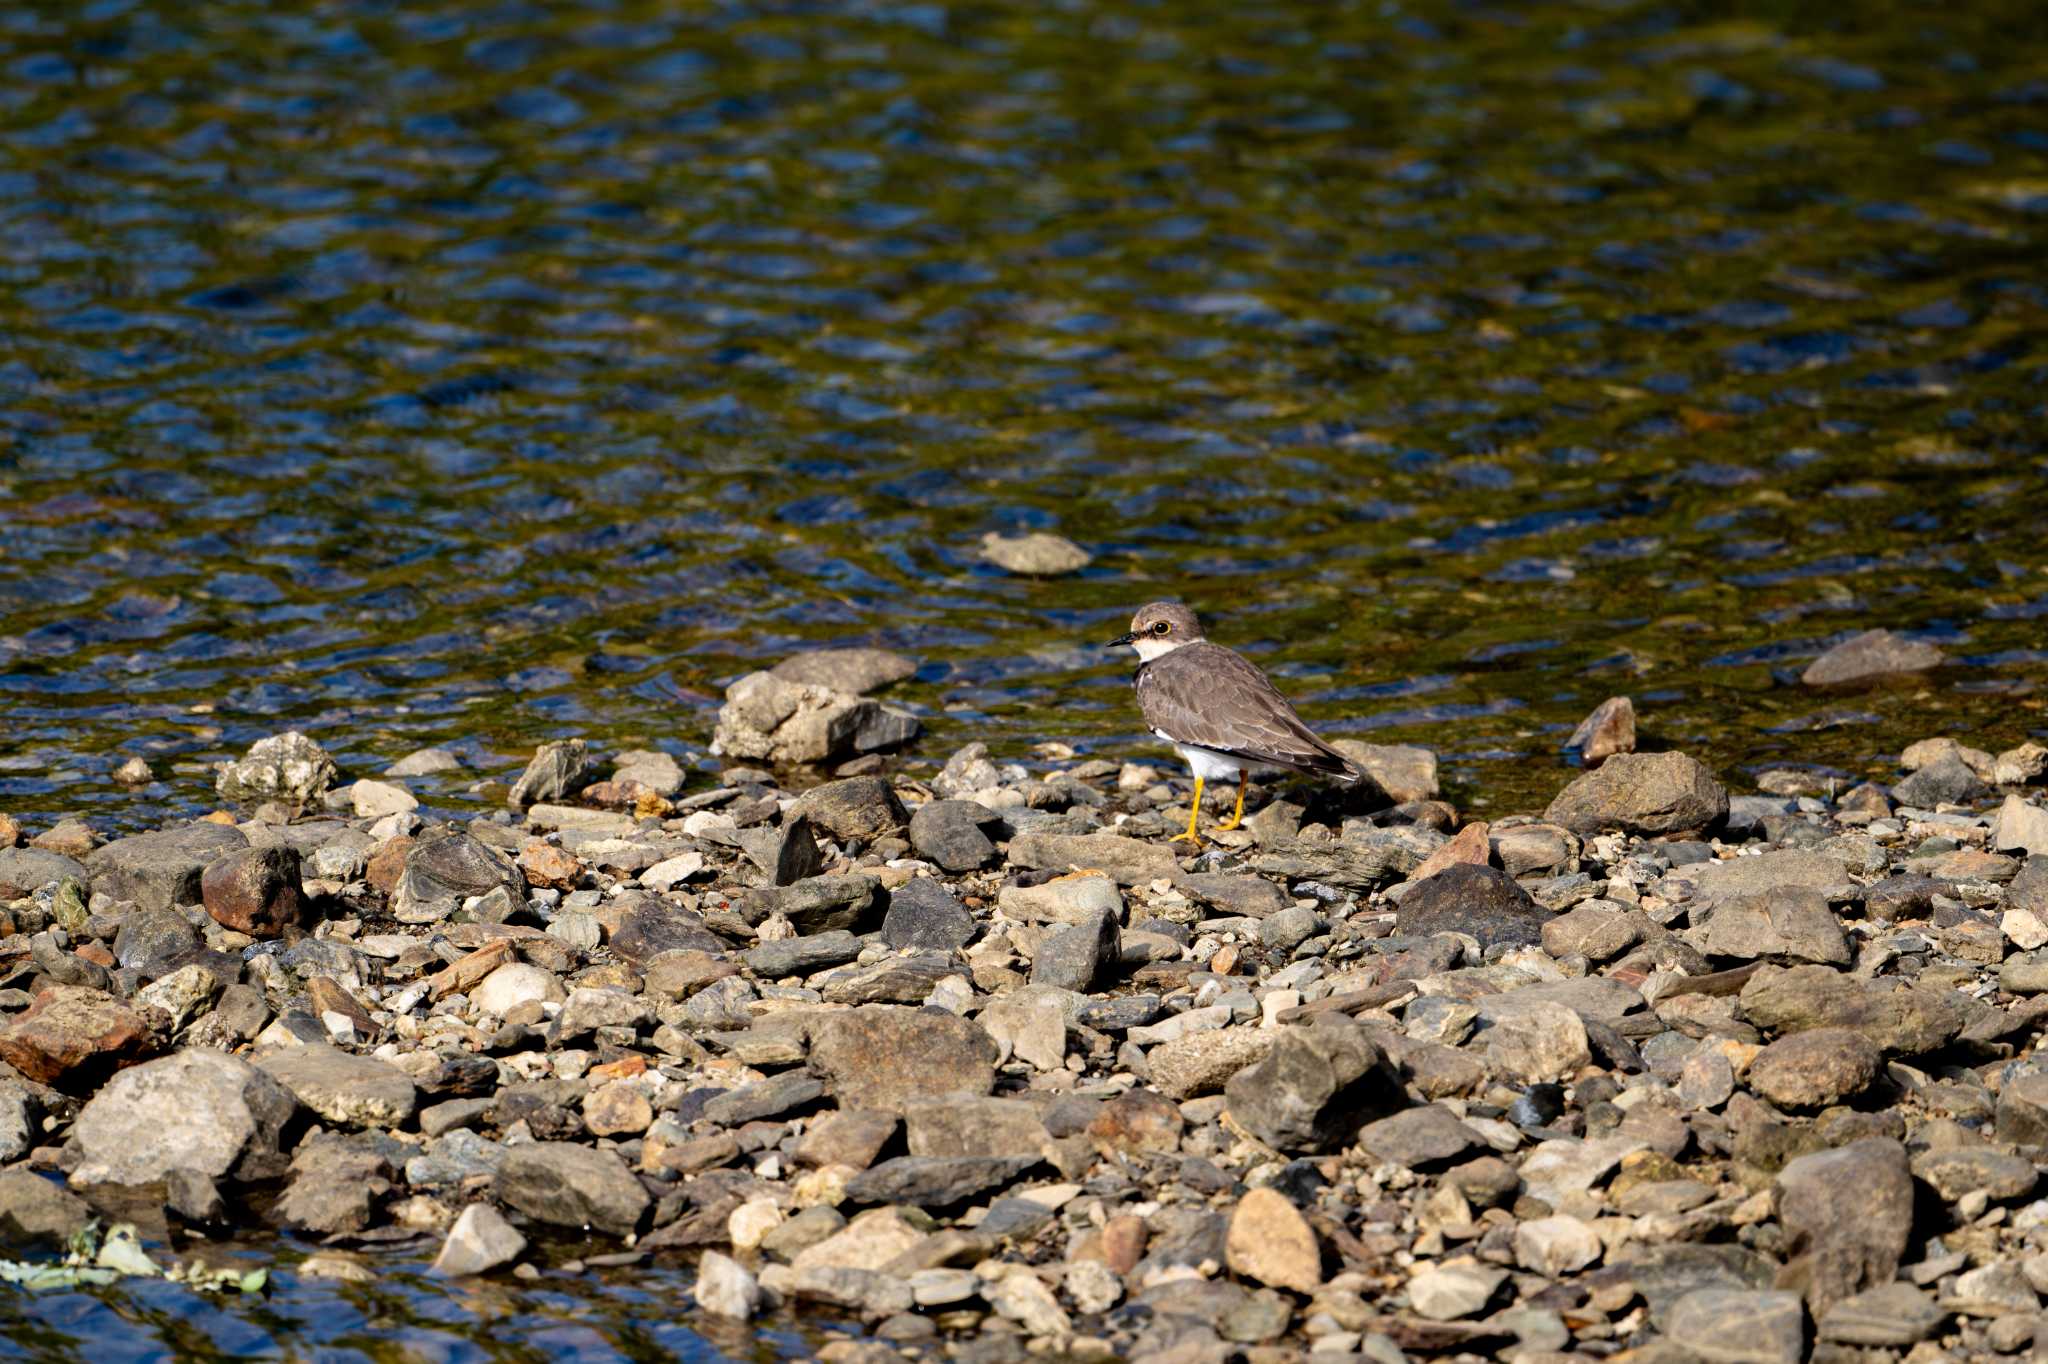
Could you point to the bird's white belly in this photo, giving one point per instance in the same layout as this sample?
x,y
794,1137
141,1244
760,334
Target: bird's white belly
x,y
1207,763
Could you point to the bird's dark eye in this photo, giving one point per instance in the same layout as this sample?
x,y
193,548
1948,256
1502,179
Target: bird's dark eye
x,y
1160,627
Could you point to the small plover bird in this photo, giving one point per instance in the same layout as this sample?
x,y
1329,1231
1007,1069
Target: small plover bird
x,y
1215,706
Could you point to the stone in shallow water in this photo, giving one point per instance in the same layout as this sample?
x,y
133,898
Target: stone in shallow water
x,y
1036,554
480,1241
726,1288
849,670
286,767
1608,730
1871,657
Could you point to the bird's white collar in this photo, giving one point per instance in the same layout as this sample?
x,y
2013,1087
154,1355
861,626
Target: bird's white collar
x,y
1149,649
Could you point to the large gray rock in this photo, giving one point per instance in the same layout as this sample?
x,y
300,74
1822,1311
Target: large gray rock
x,y
1791,922
287,767
949,833
1641,793
1315,1088
355,1091
934,1181
882,1057
1898,1020
336,1185
1847,1214
1079,956
924,914
39,1209
198,1110
817,904
23,871
1871,657
446,866
567,1185
769,718
161,870
1465,898
1708,884
1738,1326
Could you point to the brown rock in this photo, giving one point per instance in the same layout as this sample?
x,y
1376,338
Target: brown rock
x,y
1644,793
254,891
1847,1215
1609,730
74,1035
547,865
1123,1242
71,838
1471,844
327,996
1814,1068
10,831
1137,1120
465,973
852,1136
387,863
882,1057
620,1108
1271,1242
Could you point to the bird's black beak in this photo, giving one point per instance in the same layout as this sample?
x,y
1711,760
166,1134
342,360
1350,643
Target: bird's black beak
x,y
1125,638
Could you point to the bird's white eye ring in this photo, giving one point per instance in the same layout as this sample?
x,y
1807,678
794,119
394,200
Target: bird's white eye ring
x,y
1160,627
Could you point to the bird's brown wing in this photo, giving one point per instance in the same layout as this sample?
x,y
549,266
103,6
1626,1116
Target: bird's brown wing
x,y
1206,696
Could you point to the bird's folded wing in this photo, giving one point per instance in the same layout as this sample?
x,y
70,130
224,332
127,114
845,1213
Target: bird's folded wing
x,y
1208,697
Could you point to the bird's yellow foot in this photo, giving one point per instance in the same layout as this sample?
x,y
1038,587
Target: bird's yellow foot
x,y
1237,815
1189,837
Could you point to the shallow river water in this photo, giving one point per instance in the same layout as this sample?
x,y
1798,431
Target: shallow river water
x,y
477,373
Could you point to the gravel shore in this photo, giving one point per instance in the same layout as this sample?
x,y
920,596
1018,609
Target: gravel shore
x,y
975,1056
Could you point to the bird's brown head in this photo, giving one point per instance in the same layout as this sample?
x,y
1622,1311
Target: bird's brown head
x,y
1160,628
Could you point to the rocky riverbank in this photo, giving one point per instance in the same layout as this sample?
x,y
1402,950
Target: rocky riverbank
x,y
973,1055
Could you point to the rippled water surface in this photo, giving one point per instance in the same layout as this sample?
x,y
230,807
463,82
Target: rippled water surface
x,y
476,373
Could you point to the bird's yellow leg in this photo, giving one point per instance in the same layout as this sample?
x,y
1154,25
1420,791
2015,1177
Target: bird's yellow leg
x,y
1194,814
1237,817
